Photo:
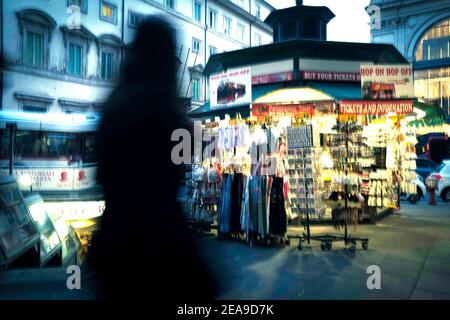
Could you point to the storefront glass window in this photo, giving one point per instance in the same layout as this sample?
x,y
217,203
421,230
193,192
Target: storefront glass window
x,y
433,85
435,43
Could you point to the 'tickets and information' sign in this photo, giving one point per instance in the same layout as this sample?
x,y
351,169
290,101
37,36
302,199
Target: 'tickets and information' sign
x,y
231,88
387,81
375,107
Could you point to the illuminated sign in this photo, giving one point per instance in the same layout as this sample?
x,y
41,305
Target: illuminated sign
x,y
331,76
272,78
48,179
264,109
376,107
387,81
231,88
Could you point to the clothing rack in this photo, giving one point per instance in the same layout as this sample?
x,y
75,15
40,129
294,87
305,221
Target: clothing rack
x,y
253,236
328,239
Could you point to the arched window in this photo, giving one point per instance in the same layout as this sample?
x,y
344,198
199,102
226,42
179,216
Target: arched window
x,y
109,56
36,29
435,43
432,65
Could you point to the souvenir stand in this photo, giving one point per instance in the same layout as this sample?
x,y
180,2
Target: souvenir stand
x,y
204,183
309,162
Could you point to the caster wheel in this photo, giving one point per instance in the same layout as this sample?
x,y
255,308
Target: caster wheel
x,y
365,245
329,245
352,248
323,246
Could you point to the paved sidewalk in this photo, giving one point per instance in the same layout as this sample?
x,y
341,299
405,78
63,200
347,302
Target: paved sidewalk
x,y
411,247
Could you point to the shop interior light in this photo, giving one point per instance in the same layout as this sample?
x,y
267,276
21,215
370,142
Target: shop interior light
x,y
326,160
25,180
296,95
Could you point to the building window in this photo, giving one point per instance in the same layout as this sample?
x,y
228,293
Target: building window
x,y
241,32
195,89
82,4
106,66
212,50
108,12
170,3
258,39
134,19
258,11
310,28
34,49
197,11
289,30
213,19
435,43
432,83
226,25
109,56
34,109
35,29
195,45
75,59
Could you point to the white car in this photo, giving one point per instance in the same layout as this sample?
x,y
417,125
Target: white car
x,y
421,188
442,175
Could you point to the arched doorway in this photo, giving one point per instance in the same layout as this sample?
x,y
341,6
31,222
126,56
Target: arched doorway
x,y
432,65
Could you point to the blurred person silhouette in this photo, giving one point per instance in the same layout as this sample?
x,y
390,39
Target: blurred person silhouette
x,y
143,244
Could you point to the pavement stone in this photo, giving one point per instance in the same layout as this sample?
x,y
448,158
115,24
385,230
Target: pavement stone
x,y
434,282
437,265
427,295
411,247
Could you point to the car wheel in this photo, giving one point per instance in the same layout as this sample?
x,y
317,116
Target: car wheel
x,y
445,195
413,199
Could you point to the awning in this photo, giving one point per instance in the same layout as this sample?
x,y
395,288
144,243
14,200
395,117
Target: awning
x,y
294,95
427,115
205,112
339,91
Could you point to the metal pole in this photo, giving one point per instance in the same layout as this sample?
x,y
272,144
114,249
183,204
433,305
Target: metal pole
x,y
1,55
346,185
12,139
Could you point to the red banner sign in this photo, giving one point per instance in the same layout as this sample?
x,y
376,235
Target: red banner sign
x,y
264,109
376,107
271,78
331,76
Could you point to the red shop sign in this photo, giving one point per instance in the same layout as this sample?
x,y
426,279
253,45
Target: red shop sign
x,y
271,78
376,107
331,76
264,109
